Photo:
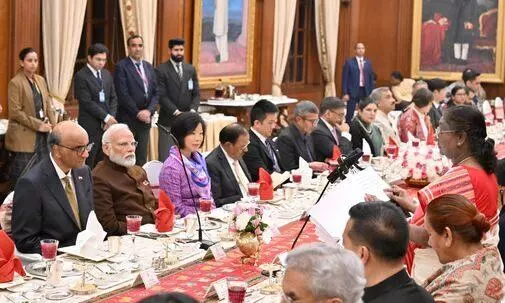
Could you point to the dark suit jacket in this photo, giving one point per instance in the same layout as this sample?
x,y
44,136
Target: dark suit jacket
x,y
257,156
225,188
435,115
92,112
121,191
174,93
41,209
358,134
350,77
324,141
130,90
291,147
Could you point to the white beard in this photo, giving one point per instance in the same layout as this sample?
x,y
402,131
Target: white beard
x,y
119,160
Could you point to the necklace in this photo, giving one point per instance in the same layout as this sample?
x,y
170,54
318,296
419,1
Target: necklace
x,y
364,127
459,163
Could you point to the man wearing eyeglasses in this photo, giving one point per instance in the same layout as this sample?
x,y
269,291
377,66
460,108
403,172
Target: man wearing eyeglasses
x,y
294,141
54,198
121,188
331,130
227,170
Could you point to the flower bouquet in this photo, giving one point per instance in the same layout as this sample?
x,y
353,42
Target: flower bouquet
x,y
247,222
420,165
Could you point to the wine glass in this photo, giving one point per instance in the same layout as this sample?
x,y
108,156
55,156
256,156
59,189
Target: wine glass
x,y
296,176
48,249
133,223
253,190
391,151
236,291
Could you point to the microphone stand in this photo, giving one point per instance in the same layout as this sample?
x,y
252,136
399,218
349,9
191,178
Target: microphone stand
x,y
336,174
205,244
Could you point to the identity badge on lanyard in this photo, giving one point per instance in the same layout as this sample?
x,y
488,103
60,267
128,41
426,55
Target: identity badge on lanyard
x,y
41,114
101,96
190,84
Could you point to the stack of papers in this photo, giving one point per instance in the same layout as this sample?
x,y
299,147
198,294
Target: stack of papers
x,y
331,214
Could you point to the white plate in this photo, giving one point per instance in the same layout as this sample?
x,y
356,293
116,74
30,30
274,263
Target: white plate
x,y
275,200
228,207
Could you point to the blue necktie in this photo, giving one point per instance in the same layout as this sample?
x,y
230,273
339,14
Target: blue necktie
x,y
271,154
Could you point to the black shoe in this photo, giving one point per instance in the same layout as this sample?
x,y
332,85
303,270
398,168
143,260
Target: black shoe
x,y
218,58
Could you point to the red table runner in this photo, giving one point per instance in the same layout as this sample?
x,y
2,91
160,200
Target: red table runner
x,y
196,279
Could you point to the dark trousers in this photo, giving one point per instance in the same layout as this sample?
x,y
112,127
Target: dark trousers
x,y
96,153
351,104
164,144
141,131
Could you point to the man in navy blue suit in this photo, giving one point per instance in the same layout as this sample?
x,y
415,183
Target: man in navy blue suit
x,y
357,80
135,82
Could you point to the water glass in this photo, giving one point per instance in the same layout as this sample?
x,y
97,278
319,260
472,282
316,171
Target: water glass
x,y
133,223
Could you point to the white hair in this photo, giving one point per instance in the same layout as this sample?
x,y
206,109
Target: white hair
x,y
331,271
111,130
377,94
305,107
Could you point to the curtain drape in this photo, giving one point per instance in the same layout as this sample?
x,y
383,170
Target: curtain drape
x,y
326,16
62,23
139,17
285,11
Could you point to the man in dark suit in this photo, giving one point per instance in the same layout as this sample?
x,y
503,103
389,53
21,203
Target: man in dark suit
x,y
53,200
227,170
94,89
437,87
178,92
294,141
331,130
357,80
135,82
262,151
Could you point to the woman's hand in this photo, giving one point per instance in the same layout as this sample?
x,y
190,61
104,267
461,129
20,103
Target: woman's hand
x,y
45,127
401,196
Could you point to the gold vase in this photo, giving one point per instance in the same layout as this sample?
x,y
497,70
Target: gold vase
x,y
248,244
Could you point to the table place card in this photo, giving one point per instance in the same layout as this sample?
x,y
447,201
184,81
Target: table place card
x,y
282,258
215,251
148,277
221,289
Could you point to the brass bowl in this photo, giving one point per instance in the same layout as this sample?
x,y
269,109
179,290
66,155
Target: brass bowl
x,y
417,183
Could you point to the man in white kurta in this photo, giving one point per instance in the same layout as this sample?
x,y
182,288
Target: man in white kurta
x,y
220,29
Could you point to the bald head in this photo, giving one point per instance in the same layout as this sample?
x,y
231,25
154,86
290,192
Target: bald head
x,y
69,145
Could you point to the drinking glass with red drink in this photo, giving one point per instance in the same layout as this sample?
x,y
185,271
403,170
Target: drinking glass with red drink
x,y
205,205
296,176
133,223
236,291
253,190
391,151
48,250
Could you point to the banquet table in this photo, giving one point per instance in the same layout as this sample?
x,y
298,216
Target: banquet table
x,y
240,106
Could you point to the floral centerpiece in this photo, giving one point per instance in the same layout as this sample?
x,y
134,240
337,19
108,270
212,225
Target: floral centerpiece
x,y
247,222
420,165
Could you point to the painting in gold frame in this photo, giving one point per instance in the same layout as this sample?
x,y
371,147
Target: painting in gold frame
x,y
452,35
223,41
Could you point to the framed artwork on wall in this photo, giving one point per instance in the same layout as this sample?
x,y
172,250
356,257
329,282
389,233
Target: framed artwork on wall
x,y
223,41
452,35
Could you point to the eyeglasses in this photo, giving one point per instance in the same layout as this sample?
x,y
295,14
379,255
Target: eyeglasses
x,y
127,144
438,132
79,149
337,113
314,122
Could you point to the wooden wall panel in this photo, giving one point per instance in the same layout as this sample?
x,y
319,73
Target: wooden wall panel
x,y
4,53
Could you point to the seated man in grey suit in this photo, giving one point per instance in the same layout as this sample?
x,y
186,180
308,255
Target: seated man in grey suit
x,y
228,172
331,130
294,141
53,199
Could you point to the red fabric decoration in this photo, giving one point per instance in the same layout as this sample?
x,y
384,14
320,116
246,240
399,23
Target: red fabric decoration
x,y
336,153
165,213
266,188
9,263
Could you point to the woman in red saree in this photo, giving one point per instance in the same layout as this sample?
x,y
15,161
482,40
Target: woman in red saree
x,y
462,138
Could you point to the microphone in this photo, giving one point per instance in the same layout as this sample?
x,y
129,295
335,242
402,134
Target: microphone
x,y
204,243
344,165
338,173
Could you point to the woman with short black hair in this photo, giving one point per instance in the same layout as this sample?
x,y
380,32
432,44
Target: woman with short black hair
x,y
188,130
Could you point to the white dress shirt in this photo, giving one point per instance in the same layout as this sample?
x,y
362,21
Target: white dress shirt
x,y
346,135
62,175
95,73
423,123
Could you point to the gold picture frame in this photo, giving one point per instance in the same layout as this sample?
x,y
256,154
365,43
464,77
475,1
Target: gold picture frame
x,y
452,71
234,71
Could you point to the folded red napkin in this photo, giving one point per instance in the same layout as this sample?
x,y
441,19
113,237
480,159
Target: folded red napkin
x,y
336,153
9,263
165,213
266,188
